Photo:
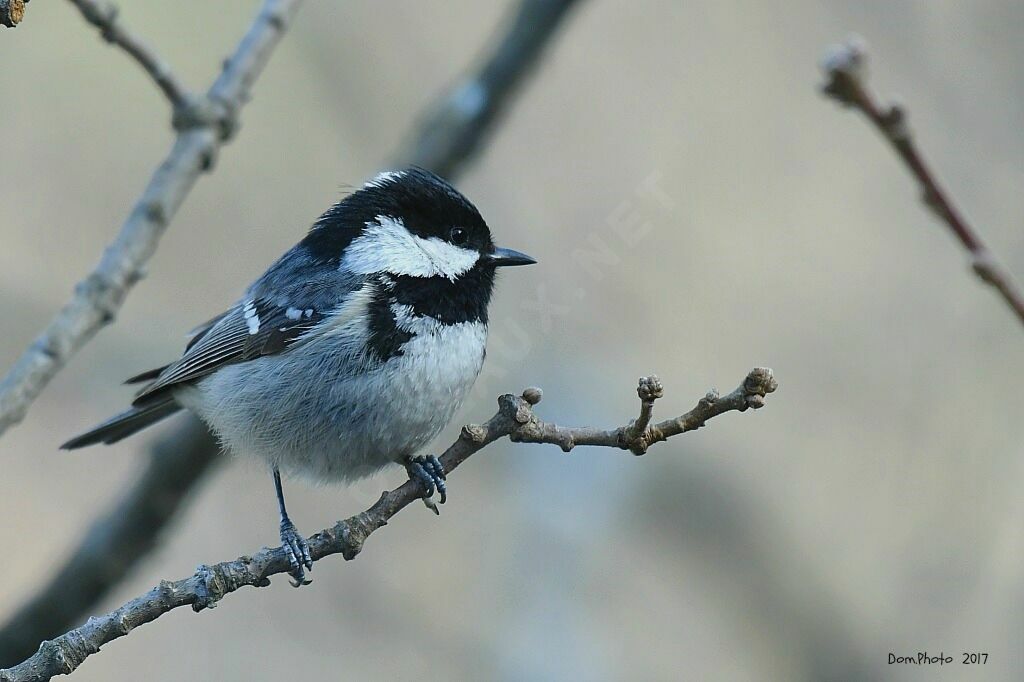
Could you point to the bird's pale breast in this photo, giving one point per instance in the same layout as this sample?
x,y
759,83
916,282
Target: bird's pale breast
x,y
358,414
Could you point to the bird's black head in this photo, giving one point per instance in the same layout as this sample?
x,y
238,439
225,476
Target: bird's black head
x,y
408,223
421,239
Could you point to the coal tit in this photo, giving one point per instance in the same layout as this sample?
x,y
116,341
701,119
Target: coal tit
x,y
351,352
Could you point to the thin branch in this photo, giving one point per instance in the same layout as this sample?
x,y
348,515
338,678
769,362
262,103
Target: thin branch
x,y
112,545
845,67
59,605
12,12
452,132
204,589
203,127
104,18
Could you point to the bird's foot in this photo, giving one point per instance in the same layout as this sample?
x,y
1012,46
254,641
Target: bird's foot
x,y
429,473
298,553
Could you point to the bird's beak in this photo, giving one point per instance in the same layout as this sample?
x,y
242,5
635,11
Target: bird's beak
x,y
500,257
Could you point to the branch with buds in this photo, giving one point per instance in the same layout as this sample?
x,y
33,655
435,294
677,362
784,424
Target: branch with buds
x,y
515,419
845,67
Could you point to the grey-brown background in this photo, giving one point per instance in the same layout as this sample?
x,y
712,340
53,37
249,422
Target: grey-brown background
x,y
873,506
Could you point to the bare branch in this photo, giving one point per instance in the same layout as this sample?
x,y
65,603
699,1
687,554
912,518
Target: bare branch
x,y
12,12
750,393
204,589
203,127
104,17
114,543
59,605
452,132
845,68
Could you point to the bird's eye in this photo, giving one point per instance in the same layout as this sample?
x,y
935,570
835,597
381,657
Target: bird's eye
x,y
458,236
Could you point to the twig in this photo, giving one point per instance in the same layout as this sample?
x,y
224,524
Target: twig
x,y
114,543
452,131
204,589
58,606
203,127
12,12
104,17
649,390
845,68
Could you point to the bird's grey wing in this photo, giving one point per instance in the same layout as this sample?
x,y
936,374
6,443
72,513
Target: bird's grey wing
x,y
200,330
251,329
193,336
280,309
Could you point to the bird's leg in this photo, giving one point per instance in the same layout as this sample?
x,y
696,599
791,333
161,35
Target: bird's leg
x,y
294,544
429,473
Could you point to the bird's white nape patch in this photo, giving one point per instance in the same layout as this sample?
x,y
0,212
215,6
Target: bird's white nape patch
x,y
252,320
385,245
381,179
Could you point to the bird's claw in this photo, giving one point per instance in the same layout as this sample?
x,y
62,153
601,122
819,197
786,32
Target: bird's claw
x,y
428,471
298,553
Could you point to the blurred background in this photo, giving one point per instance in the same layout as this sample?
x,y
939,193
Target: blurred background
x,y
698,209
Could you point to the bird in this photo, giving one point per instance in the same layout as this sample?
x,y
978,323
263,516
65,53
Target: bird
x,y
350,353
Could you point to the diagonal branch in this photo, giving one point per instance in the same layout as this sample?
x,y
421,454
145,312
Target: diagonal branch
x,y
845,68
113,543
104,17
515,418
203,127
59,604
452,132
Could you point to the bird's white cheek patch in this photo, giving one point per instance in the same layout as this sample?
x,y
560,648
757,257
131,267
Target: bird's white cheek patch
x,y
449,260
387,246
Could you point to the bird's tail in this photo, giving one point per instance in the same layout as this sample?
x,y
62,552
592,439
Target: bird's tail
x,y
125,424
